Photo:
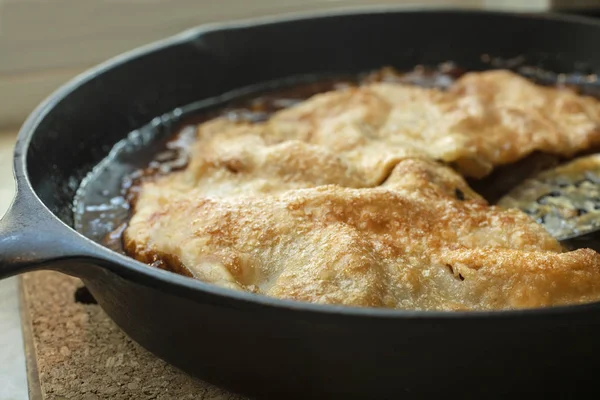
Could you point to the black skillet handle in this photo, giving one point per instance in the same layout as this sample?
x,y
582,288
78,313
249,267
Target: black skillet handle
x,y
32,238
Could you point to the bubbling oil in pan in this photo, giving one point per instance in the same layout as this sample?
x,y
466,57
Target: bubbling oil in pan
x,y
102,204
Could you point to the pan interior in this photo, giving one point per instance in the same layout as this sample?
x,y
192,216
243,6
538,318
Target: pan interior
x,y
70,142
102,203
77,126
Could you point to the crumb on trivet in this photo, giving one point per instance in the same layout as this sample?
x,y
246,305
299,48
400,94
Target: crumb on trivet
x,y
82,354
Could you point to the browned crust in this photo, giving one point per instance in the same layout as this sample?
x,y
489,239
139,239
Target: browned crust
x,y
154,258
229,155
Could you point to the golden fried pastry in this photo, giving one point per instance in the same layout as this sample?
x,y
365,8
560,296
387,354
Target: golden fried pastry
x,y
409,244
486,119
238,161
349,198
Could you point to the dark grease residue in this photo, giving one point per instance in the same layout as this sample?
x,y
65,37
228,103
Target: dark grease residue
x,y
103,201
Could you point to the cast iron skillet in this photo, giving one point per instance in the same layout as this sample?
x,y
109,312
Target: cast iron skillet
x,y
265,347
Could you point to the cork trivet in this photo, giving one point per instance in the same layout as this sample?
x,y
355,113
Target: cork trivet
x,y
76,352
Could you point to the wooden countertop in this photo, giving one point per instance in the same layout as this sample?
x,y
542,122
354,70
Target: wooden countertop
x,y
74,351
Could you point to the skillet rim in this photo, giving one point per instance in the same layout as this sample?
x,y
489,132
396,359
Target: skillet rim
x,y
154,277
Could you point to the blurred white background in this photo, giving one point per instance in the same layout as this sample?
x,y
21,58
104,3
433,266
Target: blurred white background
x,y
45,42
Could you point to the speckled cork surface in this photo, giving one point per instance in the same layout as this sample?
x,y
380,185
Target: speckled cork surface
x,y
74,351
